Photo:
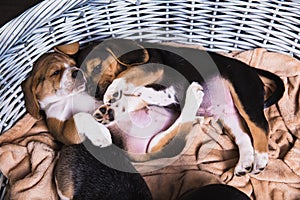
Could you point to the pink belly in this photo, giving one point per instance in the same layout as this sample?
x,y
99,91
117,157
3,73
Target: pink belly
x,y
137,137
217,99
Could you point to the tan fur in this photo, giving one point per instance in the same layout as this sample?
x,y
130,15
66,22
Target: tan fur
x,y
144,75
144,59
64,186
64,131
41,84
110,69
31,101
260,139
122,51
91,64
69,49
69,192
148,77
180,129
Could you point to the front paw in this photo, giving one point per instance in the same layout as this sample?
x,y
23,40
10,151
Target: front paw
x,y
89,128
114,91
195,93
101,137
151,96
104,114
193,100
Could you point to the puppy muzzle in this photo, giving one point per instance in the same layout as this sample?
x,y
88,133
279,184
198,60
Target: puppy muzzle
x,y
77,74
73,81
79,78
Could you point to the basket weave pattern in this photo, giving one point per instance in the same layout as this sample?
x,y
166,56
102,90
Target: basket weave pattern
x,y
217,25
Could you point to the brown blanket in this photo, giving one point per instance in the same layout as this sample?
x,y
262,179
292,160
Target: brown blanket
x,y
27,158
28,153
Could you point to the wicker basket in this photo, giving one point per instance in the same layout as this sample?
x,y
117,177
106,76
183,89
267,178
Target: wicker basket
x,y
217,25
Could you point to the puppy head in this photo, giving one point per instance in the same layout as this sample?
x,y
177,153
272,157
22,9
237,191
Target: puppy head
x,y
54,76
108,59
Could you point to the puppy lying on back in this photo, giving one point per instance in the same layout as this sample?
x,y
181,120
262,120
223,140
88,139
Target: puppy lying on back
x,y
233,91
58,88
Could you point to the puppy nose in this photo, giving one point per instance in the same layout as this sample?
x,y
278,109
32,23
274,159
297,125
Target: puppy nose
x,y
77,74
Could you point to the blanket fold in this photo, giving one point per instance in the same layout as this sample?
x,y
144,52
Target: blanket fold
x,y
28,151
27,159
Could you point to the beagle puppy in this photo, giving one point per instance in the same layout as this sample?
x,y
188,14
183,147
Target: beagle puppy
x,y
57,88
121,70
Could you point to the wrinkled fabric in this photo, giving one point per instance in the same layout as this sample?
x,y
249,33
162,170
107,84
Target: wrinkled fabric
x,y
27,159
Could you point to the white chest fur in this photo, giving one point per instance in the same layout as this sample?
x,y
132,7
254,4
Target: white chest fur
x,y
70,105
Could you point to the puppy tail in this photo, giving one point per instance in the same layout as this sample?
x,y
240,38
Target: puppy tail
x,y
275,82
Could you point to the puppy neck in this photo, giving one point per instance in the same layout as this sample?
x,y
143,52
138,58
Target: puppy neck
x,y
64,108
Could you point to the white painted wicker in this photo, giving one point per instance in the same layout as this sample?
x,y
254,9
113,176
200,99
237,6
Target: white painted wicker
x,y
218,25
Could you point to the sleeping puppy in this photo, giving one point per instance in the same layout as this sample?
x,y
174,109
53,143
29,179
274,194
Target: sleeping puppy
x,y
141,114
233,91
82,175
58,88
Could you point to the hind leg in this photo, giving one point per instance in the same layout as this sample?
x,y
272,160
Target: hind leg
x,y
259,133
250,105
243,141
252,157
194,96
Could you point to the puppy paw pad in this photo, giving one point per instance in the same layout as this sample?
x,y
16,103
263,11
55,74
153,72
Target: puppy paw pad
x,y
104,114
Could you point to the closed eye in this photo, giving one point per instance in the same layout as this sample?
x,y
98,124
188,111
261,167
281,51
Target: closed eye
x,y
57,72
97,69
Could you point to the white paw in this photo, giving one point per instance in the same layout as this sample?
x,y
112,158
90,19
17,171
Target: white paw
x,y
260,162
168,97
251,162
193,99
115,91
245,163
160,98
100,137
88,127
195,94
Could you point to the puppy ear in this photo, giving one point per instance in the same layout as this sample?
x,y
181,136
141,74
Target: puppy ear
x,y
31,102
126,52
68,49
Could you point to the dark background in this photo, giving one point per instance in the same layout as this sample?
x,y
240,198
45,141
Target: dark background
x,y
10,9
